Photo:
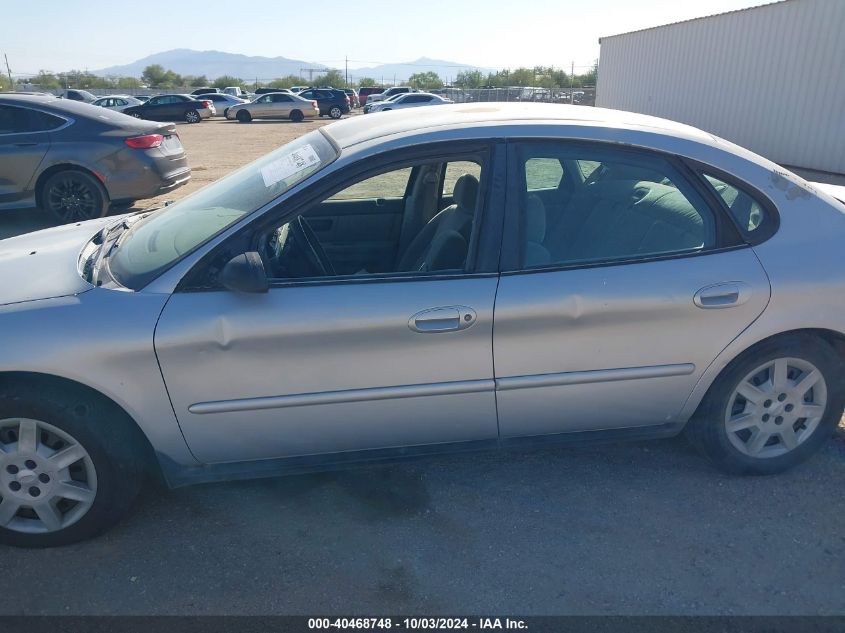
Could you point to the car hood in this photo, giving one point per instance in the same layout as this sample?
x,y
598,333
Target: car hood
x,y
44,264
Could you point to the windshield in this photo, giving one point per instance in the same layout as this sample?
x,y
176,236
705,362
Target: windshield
x,y
158,241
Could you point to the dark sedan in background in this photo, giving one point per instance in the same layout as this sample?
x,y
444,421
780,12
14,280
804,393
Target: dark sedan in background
x,y
76,160
173,108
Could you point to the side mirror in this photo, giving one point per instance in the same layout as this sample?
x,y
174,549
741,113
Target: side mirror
x,y
245,273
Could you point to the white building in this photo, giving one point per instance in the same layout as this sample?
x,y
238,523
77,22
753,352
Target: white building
x,y
770,78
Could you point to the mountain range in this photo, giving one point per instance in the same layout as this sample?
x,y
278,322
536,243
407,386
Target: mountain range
x,y
215,64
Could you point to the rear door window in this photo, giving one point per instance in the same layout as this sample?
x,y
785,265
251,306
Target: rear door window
x,y
13,120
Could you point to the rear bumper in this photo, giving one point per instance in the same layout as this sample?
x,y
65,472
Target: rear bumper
x,y
149,174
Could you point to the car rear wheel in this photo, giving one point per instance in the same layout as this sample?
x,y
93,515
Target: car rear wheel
x,y
296,116
243,116
335,112
67,468
772,408
192,116
72,195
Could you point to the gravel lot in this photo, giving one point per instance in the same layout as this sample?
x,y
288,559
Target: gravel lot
x,y
644,528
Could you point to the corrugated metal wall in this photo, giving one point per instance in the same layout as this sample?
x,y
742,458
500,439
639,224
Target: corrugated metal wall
x,y
770,78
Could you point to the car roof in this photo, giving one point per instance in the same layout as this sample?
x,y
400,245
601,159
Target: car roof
x,y
415,121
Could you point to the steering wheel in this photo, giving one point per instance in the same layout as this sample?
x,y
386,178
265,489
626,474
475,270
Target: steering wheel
x,y
304,234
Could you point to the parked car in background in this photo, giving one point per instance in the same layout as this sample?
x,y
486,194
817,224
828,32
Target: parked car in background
x,y
408,100
266,91
353,98
369,107
223,102
116,102
366,91
235,91
75,161
173,108
77,95
381,96
143,98
275,105
298,89
332,102
645,279
205,91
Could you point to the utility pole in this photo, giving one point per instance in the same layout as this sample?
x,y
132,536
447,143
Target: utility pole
x,y
9,70
571,78
346,62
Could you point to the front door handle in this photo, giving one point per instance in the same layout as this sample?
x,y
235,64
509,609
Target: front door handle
x,y
722,295
445,319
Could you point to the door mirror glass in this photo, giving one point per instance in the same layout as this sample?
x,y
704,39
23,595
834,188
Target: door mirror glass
x,y
245,273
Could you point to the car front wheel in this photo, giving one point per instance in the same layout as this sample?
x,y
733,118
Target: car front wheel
x,y
68,469
772,408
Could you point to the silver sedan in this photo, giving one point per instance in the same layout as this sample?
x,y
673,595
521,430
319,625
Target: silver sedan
x,y
334,302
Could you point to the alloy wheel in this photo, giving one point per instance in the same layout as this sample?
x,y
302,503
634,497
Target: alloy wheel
x,y
71,199
47,478
776,407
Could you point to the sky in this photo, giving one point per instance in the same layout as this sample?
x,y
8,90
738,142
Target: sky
x,y
62,35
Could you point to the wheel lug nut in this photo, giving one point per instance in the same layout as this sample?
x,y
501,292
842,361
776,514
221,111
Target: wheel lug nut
x,y
779,420
34,491
767,403
782,397
31,464
12,469
14,486
766,417
44,478
789,408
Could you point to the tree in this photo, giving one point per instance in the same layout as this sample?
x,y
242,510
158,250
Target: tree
x,y
46,80
155,76
331,78
195,82
469,79
128,82
366,81
285,82
425,81
225,81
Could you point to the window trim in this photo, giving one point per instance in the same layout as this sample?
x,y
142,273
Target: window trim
x,y
68,121
726,236
758,235
481,262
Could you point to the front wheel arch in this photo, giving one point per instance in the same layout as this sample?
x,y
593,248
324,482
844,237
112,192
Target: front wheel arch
x,y
41,382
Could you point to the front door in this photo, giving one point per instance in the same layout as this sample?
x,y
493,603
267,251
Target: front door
x,y
23,144
627,281
349,349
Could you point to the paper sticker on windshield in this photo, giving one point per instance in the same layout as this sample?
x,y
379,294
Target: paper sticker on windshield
x,y
286,166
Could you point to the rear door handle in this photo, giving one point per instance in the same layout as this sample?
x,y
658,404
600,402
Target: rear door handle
x,y
722,295
26,144
445,319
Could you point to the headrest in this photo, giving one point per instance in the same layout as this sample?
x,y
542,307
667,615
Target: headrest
x,y
535,220
466,191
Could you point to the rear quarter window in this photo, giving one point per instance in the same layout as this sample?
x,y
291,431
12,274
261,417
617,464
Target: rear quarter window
x,y
749,214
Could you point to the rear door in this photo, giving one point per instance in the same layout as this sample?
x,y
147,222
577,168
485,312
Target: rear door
x,y
24,141
613,302
280,105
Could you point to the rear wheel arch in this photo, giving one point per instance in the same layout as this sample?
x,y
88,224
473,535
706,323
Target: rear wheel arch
x,y
45,383
54,169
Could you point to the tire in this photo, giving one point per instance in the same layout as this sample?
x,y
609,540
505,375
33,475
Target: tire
x,y
296,116
123,205
226,113
766,434
137,115
192,116
104,471
243,116
335,112
72,195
